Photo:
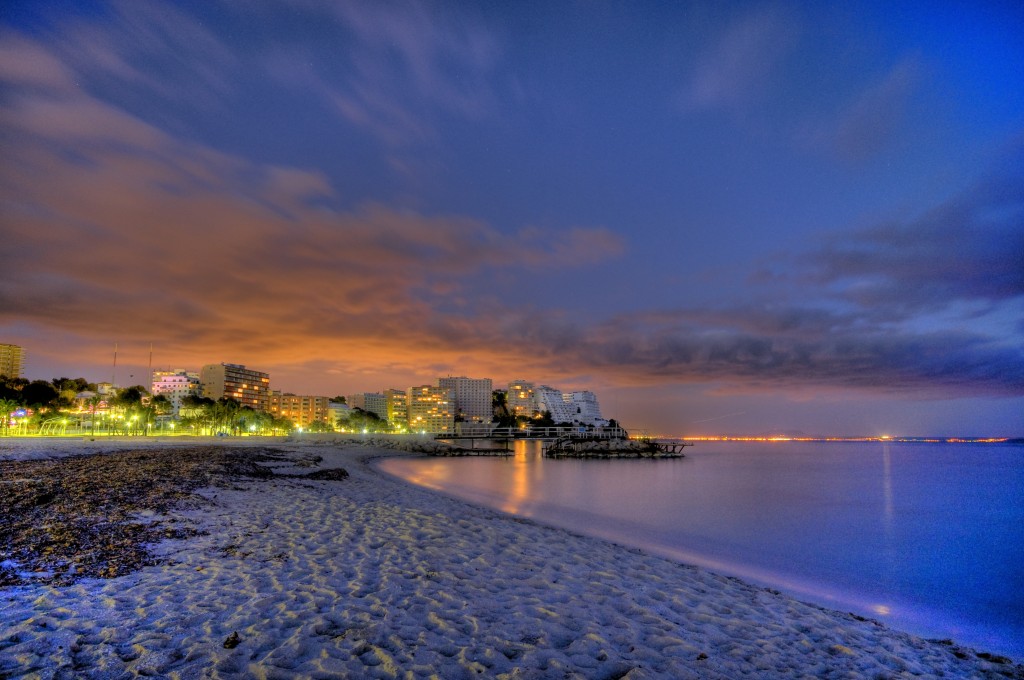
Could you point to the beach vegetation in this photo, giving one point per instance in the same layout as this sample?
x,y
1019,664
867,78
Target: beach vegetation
x,y
361,420
7,407
39,394
161,404
320,426
195,401
11,388
69,388
542,419
499,404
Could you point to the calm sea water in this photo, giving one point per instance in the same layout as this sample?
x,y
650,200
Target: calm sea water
x,y
926,537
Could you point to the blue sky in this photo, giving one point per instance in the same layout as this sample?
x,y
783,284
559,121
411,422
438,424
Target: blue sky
x,y
722,217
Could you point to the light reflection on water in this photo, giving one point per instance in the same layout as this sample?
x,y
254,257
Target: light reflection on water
x,y
928,536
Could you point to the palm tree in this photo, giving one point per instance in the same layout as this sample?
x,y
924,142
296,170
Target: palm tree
x,y
92,402
7,407
225,415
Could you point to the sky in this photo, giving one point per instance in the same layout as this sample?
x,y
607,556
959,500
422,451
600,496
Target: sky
x,y
723,218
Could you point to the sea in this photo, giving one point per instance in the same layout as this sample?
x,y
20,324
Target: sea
x,y
926,537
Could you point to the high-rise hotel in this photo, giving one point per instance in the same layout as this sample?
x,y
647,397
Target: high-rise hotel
x,y
471,397
397,404
430,409
12,360
235,381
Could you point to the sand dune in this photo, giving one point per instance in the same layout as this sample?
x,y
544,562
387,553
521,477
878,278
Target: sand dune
x,y
368,577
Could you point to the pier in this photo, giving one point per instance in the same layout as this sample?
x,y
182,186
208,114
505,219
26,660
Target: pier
x,y
570,442
582,446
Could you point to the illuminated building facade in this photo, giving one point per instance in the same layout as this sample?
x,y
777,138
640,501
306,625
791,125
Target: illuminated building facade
x,y
471,398
430,409
12,361
302,410
175,385
235,381
521,400
397,406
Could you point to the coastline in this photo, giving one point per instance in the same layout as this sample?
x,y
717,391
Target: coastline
x,y
372,576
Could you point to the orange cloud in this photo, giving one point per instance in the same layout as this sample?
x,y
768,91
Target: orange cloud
x,y
116,229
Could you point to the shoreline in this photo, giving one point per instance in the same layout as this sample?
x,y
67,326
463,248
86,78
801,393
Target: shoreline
x,y
374,576
841,577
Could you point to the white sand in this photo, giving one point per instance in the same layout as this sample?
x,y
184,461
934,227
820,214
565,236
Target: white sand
x,y
373,578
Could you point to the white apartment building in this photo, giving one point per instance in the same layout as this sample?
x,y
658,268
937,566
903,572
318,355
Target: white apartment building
x,y
588,411
376,403
471,397
175,385
550,399
336,410
571,407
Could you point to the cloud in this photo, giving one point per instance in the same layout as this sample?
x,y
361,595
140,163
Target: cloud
x,y
742,61
968,249
151,48
117,229
932,306
400,69
114,228
873,118
870,123
786,349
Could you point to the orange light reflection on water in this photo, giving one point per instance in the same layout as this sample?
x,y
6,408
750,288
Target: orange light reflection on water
x,y
527,470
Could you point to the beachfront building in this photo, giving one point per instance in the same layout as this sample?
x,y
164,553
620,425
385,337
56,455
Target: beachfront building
x,y
12,360
569,407
376,403
337,410
235,381
551,400
302,410
471,398
521,399
430,409
397,406
175,385
587,410
356,400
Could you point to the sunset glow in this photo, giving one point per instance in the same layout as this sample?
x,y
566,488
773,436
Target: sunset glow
x,y
738,219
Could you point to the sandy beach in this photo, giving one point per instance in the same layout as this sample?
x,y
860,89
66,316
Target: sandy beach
x,y
283,575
